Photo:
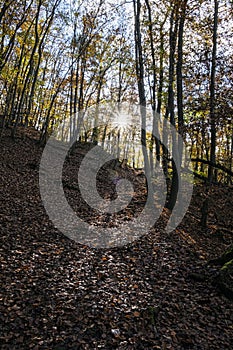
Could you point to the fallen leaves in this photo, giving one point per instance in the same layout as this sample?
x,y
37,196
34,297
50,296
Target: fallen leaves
x,y
154,293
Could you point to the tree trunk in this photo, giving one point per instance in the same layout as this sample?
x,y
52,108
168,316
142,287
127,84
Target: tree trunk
x,y
224,278
212,118
141,90
170,111
29,73
154,83
212,93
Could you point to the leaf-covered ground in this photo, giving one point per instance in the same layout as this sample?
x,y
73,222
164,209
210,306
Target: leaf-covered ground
x,y
155,293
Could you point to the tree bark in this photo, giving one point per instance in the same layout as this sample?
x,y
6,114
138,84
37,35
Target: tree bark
x,y
170,111
212,93
212,118
141,90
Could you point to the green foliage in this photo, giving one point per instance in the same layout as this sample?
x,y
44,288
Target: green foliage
x,y
227,265
57,58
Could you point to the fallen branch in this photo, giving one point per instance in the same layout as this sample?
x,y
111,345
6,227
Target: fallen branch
x,y
215,165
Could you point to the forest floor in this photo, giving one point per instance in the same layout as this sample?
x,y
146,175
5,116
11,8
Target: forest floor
x,y
154,293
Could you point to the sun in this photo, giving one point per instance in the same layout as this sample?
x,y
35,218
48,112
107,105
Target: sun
x,y
121,119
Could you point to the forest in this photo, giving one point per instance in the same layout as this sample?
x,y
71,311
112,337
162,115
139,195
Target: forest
x,y
116,172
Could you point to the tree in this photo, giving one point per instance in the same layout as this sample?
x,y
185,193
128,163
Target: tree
x,y
212,92
141,89
212,116
170,109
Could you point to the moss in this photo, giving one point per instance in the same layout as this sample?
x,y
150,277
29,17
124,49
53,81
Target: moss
x,y
227,265
151,311
229,250
226,257
224,281
150,314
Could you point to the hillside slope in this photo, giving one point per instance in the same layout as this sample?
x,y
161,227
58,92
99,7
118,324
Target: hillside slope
x,y
155,293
